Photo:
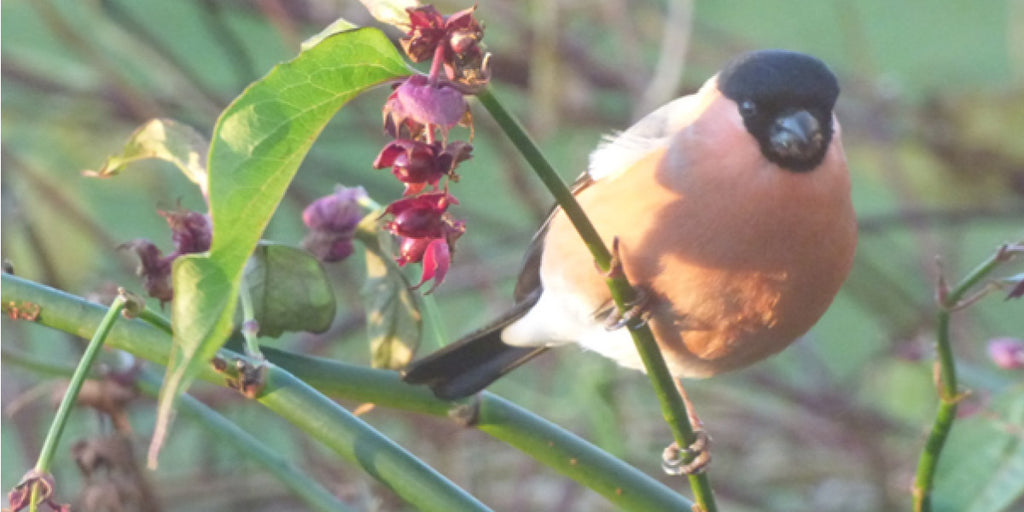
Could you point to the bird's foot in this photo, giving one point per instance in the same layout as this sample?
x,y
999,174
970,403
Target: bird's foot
x,y
638,308
466,414
673,458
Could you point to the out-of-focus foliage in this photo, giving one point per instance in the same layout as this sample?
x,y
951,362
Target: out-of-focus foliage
x,y
932,110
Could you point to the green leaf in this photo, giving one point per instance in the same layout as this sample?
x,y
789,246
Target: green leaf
x,y
257,146
394,323
336,27
289,290
162,139
391,12
982,469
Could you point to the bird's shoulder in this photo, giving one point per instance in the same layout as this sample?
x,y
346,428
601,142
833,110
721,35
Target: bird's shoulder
x,y
618,152
615,154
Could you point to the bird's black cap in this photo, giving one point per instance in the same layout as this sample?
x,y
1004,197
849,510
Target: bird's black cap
x,y
768,85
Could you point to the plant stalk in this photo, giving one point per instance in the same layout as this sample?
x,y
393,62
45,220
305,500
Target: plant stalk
x,y
60,420
949,394
304,488
672,407
624,486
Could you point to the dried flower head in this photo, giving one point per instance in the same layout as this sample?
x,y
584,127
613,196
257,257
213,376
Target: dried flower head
x,y
191,232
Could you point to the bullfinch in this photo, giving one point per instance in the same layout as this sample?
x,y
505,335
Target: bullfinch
x,y
732,211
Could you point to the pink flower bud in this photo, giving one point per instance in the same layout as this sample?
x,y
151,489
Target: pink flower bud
x,y
418,104
337,213
1007,353
332,221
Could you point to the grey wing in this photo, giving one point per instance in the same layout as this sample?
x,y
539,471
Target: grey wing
x,y
528,285
616,153
620,151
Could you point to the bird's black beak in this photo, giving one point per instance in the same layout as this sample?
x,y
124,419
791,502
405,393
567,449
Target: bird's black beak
x,y
796,135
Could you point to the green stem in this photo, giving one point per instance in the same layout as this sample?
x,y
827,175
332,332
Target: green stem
x,y
302,486
250,326
310,492
66,403
432,315
60,420
156,320
621,484
672,407
291,399
624,486
349,436
547,174
949,395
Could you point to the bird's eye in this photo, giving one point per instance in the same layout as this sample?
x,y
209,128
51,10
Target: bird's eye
x,y
748,108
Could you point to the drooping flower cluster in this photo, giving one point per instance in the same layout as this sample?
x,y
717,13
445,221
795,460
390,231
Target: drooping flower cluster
x,y
191,232
419,115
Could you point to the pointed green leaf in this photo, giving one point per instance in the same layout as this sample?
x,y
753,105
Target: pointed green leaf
x,y
162,139
982,468
391,12
337,26
257,146
289,290
394,323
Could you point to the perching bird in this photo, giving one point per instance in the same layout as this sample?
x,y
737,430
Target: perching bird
x,y
733,214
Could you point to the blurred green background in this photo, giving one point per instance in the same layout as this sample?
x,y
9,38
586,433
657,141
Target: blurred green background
x,y
932,110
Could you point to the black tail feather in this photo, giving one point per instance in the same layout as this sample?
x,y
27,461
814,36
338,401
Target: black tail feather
x,y
472,363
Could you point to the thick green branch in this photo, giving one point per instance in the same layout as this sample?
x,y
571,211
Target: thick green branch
x,y
284,394
621,484
622,292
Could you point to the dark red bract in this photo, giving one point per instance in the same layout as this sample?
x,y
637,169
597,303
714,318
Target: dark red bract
x,y
457,34
422,216
418,164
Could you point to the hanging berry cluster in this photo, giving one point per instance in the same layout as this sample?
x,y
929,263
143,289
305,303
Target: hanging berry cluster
x,y
419,115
